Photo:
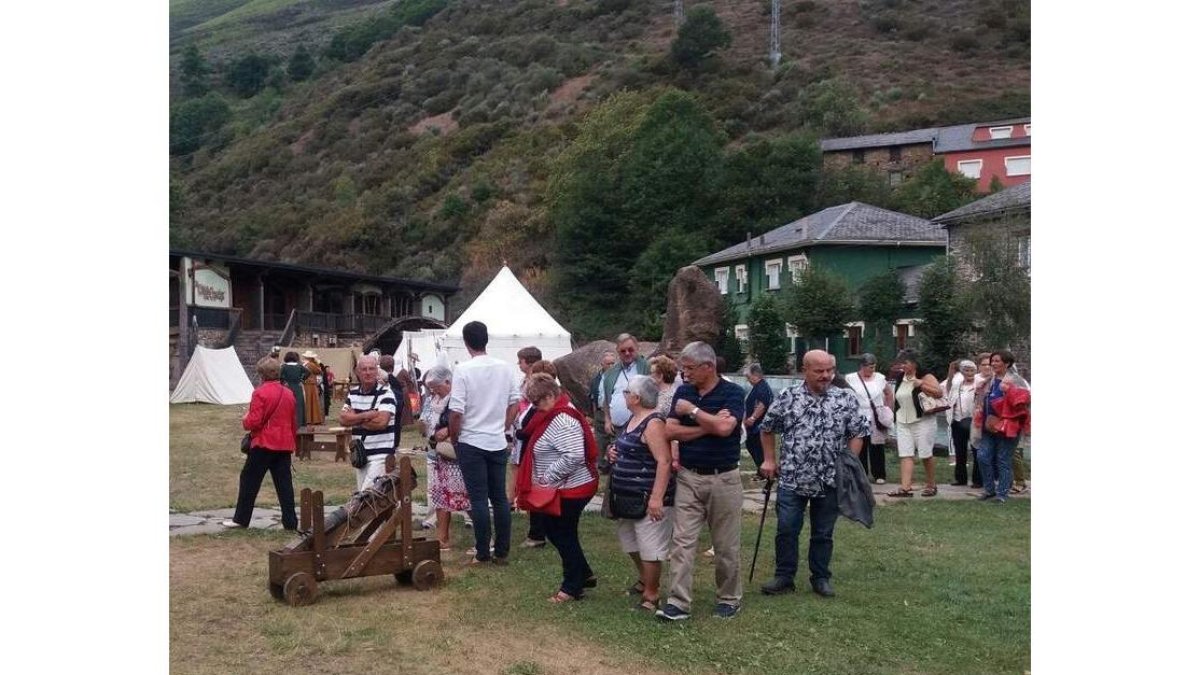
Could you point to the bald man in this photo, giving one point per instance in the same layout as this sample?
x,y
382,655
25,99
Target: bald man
x,y
817,421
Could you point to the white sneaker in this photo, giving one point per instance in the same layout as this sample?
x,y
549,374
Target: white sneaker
x,y
230,523
879,481
711,552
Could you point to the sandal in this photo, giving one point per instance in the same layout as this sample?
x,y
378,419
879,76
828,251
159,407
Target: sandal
x,y
636,589
900,492
561,597
647,605
929,491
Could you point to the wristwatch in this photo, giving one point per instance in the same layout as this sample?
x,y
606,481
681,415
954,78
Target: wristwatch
x,y
695,410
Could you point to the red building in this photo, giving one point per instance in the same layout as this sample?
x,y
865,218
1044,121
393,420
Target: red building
x,y
984,151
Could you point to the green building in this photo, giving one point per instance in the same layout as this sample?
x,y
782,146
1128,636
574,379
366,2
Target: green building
x,y
856,241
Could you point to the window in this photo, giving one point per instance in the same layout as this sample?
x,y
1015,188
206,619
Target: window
x,y
1000,132
895,178
1027,132
366,303
858,156
774,267
894,153
740,272
971,168
854,334
901,336
796,265
791,330
742,332
1017,166
721,275
1024,252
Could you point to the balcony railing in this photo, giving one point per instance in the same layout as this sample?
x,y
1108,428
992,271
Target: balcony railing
x,y
321,322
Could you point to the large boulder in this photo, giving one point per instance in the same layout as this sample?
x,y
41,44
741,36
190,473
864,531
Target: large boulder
x,y
576,370
694,309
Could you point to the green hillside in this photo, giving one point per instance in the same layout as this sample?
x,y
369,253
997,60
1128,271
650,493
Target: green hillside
x,y
433,139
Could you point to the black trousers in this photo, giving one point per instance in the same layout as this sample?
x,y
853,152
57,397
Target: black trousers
x,y
563,532
258,463
960,438
872,458
537,526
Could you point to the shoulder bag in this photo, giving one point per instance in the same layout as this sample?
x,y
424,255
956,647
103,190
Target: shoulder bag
x,y
874,412
358,449
930,404
246,442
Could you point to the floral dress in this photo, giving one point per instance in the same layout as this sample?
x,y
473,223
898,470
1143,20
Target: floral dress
x,y
447,491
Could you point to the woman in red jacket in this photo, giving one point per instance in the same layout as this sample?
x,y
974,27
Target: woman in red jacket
x,y
271,422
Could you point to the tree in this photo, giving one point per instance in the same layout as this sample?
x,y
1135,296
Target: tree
x,y
248,75
301,65
852,184
193,72
767,334
728,346
195,121
880,303
945,322
831,107
999,290
770,181
700,36
934,191
820,305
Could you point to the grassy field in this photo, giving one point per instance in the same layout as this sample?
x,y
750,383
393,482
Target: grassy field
x,y
935,587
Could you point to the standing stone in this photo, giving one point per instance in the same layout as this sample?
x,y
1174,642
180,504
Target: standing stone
x,y
694,309
576,370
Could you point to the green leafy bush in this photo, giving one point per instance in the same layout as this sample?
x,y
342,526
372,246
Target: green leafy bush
x,y
247,75
195,121
699,38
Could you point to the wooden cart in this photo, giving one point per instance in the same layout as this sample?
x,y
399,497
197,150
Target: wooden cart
x,y
384,543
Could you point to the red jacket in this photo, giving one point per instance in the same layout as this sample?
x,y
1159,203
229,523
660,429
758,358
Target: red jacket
x,y
271,419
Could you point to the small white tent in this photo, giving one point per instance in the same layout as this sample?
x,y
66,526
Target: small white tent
x,y
514,320
213,376
419,343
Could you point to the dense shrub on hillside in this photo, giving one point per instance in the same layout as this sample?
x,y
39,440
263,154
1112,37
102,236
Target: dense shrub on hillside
x,y
195,121
247,75
354,40
699,38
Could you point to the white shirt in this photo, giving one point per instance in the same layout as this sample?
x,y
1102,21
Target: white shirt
x,y
482,390
617,409
962,398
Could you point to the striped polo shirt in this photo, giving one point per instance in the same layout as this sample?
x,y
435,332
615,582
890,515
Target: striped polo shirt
x,y
381,442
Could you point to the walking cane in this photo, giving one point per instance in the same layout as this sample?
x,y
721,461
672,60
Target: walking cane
x,y
761,522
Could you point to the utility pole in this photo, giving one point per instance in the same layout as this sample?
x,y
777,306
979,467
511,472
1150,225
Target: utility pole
x,y
678,13
773,51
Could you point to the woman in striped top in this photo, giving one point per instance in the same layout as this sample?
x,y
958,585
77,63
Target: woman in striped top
x,y
563,457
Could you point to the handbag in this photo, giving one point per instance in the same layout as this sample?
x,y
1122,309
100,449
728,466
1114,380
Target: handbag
x,y
358,449
445,450
544,499
929,404
994,424
630,506
246,442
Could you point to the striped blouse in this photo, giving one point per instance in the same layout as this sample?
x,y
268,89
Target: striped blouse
x,y
558,455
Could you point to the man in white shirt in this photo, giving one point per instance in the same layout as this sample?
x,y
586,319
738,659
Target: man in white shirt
x,y
616,413
483,404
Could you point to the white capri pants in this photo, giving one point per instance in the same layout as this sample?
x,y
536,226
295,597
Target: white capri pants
x,y
650,540
376,466
916,437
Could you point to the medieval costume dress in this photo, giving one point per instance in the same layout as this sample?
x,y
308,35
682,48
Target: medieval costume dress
x,y
292,375
314,410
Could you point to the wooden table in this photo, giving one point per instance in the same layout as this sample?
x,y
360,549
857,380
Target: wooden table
x,y
307,442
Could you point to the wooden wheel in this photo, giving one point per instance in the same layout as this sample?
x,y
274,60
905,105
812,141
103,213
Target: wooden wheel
x,y
276,591
300,589
426,575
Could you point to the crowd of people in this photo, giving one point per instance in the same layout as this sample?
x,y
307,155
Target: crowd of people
x,y
668,436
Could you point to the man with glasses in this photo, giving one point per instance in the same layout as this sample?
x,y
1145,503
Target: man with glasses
x,y
616,380
705,418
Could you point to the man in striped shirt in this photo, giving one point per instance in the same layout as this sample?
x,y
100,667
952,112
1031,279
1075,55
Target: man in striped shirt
x,y
371,409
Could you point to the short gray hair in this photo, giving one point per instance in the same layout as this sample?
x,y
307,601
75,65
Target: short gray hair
x,y
754,369
968,363
700,352
437,375
868,359
624,337
645,388
368,358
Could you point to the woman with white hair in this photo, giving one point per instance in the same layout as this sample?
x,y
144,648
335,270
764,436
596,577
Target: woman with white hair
x,y
960,393
643,488
446,490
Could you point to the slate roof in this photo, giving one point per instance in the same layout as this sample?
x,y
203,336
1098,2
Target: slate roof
x,y
879,140
958,138
320,271
1008,199
852,223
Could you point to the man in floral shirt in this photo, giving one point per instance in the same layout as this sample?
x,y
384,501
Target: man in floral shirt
x,y
817,421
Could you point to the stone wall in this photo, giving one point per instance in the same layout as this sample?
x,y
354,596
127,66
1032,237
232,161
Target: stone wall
x,y
912,157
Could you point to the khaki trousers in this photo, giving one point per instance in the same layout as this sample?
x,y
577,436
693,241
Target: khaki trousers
x,y
716,500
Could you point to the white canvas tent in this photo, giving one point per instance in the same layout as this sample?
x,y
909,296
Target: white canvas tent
x,y
514,320
424,344
213,376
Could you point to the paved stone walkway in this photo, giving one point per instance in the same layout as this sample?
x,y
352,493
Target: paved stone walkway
x,y
209,522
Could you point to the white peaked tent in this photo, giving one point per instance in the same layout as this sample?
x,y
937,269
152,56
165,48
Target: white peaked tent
x,y
421,343
514,320
213,376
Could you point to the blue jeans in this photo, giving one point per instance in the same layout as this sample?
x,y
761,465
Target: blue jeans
x,y
823,514
994,454
484,473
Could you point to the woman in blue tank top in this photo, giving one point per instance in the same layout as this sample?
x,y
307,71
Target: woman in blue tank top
x,y
643,489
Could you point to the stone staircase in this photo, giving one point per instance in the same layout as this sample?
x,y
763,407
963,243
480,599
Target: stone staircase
x,y
252,345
